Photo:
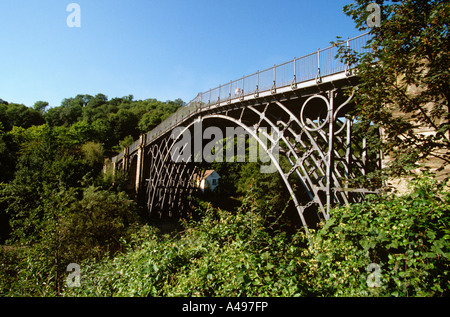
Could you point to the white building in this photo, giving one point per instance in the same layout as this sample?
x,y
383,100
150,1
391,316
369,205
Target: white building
x,y
209,180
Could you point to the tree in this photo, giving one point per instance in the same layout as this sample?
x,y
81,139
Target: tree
x,y
54,117
81,132
8,155
93,154
19,115
103,132
149,121
180,102
70,111
40,106
405,80
124,123
105,216
6,125
45,162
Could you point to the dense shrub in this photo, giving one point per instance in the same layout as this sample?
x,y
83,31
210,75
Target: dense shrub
x,y
72,230
385,246
406,237
224,254
241,254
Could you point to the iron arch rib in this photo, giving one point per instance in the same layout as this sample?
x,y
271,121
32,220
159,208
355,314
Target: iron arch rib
x,y
312,153
167,176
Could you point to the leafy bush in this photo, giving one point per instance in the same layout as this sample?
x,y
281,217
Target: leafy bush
x,y
224,254
407,237
241,254
71,230
98,222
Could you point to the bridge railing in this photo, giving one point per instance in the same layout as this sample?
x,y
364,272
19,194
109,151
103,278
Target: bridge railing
x,y
309,67
318,64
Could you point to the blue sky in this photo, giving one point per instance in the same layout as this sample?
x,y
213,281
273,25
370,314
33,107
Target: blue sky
x,y
163,49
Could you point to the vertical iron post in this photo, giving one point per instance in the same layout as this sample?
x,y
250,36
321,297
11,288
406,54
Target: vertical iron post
x,y
318,79
330,154
294,80
348,153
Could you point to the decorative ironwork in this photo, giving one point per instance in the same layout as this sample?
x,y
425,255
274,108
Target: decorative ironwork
x,y
316,138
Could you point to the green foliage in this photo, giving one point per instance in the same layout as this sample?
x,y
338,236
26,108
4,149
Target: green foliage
x,y
124,123
113,181
241,254
81,132
405,79
149,121
408,237
56,207
97,223
72,230
127,141
66,152
225,254
43,164
19,115
40,106
8,155
93,154
97,119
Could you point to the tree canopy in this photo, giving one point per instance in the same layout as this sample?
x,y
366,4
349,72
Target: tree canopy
x,y
405,79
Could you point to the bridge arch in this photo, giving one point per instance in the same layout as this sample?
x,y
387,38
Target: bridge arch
x,y
315,134
314,152
262,143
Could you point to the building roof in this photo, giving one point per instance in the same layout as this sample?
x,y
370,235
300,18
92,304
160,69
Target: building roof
x,y
204,176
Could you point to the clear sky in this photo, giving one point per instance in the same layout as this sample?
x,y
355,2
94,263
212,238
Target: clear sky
x,y
163,49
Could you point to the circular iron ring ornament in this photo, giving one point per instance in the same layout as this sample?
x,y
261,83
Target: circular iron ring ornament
x,y
309,124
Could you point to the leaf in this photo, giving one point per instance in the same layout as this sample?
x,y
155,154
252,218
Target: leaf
x,y
392,245
431,235
364,243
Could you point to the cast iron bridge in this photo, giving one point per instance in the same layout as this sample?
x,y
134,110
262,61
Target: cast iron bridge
x,y
316,149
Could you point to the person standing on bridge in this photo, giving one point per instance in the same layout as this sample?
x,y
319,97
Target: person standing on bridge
x,y
237,92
